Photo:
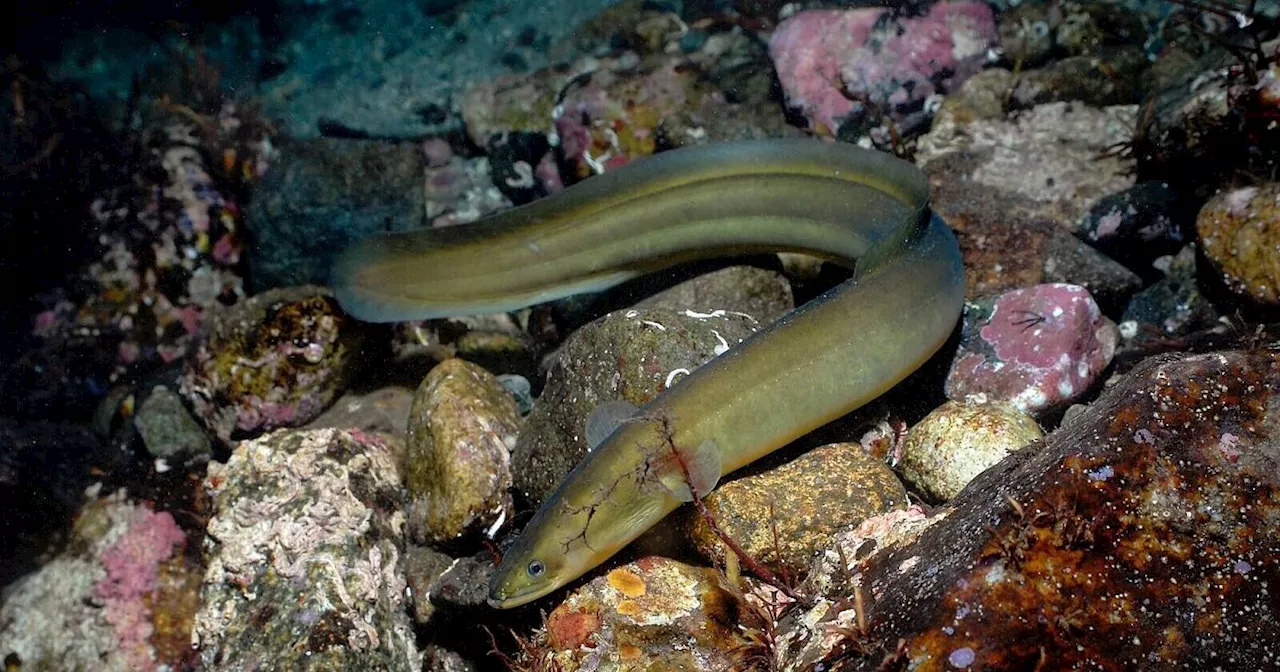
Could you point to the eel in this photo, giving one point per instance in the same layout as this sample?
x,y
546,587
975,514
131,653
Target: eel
x,y
862,208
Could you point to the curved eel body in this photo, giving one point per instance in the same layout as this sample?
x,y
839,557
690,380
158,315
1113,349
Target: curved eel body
x,y
821,361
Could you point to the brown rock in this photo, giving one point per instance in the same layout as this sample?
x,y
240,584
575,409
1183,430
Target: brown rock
x,y
763,294
1007,245
1142,534
1050,155
807,501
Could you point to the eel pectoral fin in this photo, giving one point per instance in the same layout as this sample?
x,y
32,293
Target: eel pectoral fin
x,y
703,465
605,420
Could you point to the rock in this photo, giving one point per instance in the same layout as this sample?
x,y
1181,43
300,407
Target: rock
x,y
1007,246
383,411
422,566
1138,225
765,295
167,249
101,604
1240,235
1037,348
464,585
438,659
630,355
494,341
275,360
1053,155
465,190
603,112
1089,550
851,70
303,553
1112,77
957,441
1205,121
462,426
629,618
983,96
829,579
1160,316
168,431
806,501
1032,32
323,194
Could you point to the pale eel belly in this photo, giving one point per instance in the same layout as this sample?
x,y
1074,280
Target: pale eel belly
x,y
866,209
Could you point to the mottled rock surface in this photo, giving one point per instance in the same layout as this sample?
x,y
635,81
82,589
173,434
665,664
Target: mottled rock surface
x,y
1142,534
101,605
1051,155
384,410
762,294
303,552
958,441
168,430
1007,245
275,360
652,614
1160,316
806,501
462,427
1138,225
629,355
846,67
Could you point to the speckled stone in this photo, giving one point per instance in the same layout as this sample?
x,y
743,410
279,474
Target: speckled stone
x,y
462,426
651,614
168,430
958,441
808,500
1240,234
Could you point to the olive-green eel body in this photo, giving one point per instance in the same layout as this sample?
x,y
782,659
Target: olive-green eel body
x,y
862,208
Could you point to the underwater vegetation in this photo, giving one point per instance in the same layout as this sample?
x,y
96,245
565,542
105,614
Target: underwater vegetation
x,y
226,443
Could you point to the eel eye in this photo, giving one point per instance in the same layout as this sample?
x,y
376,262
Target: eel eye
x,y
536,569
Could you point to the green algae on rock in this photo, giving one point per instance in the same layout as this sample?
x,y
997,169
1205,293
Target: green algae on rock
x,y
462,426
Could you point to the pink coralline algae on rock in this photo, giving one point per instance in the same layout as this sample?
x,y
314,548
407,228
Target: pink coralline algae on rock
x,y
132,563
834,64
1037,348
